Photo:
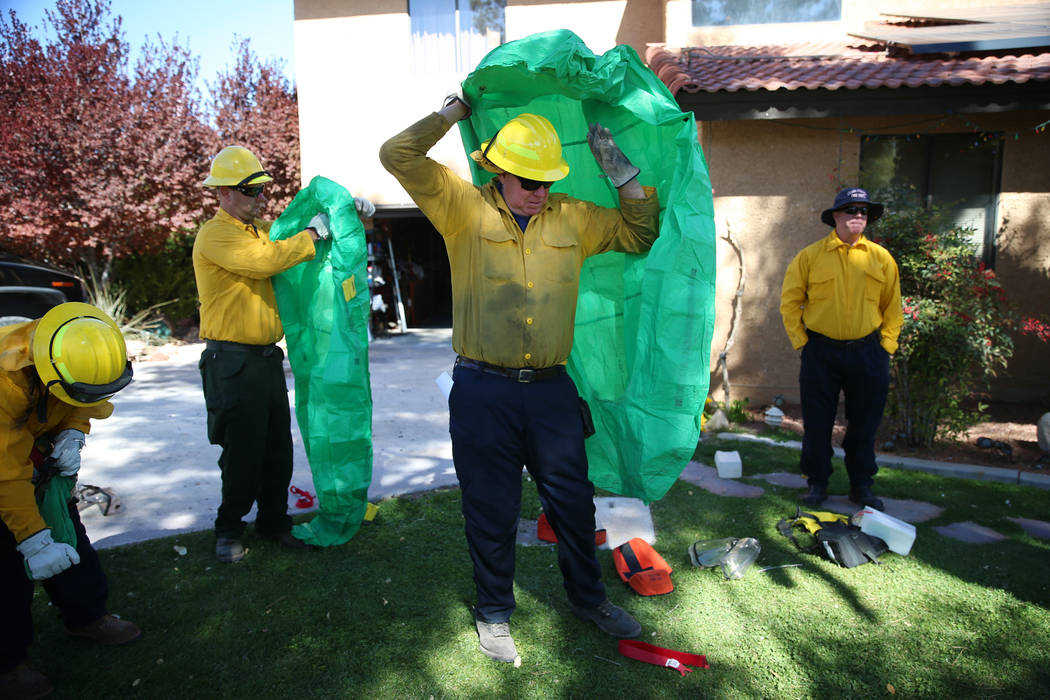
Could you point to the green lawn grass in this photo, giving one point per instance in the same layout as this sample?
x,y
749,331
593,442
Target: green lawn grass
x,y
388,614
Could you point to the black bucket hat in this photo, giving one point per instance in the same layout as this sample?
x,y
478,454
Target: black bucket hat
x,y
848,196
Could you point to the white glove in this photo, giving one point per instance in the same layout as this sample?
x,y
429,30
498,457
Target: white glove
x,y
46,557
66,451
320,224
611,159
455,94
365,209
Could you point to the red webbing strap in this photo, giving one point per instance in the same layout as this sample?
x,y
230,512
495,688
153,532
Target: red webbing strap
x,y
658,656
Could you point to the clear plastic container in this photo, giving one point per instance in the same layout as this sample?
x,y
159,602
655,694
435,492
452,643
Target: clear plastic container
x,y
732,554
897,534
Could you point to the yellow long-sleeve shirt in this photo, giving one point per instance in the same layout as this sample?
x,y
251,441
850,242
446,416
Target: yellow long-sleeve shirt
x,y
233,263
842,292
19,428
513,292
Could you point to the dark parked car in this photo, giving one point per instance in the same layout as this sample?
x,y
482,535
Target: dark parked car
x,y
28,290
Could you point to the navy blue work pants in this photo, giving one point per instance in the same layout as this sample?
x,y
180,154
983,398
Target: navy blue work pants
x,y
79,593
247,401
498,425
861,371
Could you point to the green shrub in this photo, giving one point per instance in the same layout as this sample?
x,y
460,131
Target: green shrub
x,y
957,322
152,280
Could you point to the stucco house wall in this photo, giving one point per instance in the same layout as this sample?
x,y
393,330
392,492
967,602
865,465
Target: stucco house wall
x,y
358,84
771,181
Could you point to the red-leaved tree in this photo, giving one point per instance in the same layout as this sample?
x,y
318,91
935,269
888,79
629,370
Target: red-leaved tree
x,y
98,163
255,106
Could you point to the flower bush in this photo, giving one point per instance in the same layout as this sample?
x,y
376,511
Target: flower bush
x,y
958,325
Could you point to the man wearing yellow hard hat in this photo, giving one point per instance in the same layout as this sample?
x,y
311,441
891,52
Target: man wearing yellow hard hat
x,y
56,374
242,368
516,250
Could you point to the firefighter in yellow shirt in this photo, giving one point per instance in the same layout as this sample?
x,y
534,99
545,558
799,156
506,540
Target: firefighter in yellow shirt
x,y
841,304
241,366
56,374
515,251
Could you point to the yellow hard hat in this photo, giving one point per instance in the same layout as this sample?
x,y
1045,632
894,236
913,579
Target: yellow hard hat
x,y
80,354
235,166
527,146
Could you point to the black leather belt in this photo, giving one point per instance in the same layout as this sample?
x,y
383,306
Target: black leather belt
x,y
230,346
525,375
875,335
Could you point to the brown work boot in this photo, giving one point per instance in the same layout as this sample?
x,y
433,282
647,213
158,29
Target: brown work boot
x,y
23,683
108,630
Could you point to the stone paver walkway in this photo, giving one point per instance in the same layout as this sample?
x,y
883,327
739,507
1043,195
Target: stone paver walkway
x,y
911,511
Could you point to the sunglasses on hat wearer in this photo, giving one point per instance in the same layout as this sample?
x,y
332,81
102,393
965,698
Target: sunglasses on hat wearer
x,y
851,210
251,191
532,185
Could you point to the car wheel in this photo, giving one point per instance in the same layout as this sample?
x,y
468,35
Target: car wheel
x,y
10,320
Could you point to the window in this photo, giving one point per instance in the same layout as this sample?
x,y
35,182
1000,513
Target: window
x,y
720,13
452,36
960,172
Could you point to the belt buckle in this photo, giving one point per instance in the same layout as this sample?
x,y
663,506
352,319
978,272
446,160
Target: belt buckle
x,y
526,376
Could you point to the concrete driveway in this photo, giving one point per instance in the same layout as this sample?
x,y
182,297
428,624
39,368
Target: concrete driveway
x,y
153,452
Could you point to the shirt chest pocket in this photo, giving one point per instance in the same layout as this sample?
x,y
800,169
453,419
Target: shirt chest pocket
x,y
874,279
561,257
821,283
499,254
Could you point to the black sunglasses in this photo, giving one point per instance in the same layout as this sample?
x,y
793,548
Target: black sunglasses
x,y
251,191
856,210
532,185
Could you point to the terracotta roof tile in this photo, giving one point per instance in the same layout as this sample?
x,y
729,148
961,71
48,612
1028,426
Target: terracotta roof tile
x,y
830,66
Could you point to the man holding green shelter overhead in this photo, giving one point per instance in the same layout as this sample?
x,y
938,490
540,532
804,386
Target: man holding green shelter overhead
x,y
516,250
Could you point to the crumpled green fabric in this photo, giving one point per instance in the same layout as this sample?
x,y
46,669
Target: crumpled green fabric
x,y
53,502
324,309
644,322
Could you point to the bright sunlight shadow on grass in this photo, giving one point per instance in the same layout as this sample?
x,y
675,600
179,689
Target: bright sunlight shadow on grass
x,y
388,614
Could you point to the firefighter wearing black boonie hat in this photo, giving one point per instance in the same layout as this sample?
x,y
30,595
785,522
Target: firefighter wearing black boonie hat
x,y
841,306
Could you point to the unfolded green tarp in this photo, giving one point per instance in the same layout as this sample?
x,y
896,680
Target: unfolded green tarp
x,y
644,322
324,309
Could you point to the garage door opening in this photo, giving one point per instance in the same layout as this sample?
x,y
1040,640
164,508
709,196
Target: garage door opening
x,y
407,259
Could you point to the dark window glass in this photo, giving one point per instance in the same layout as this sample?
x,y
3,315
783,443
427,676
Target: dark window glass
x,y
959,172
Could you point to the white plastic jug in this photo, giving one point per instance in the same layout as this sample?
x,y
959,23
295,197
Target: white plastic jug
x,y
728,464
897,534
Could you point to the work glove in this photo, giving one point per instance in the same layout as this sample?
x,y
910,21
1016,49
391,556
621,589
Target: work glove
x,y
45,557
456,95
320,224
66,451
609,156
365,209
